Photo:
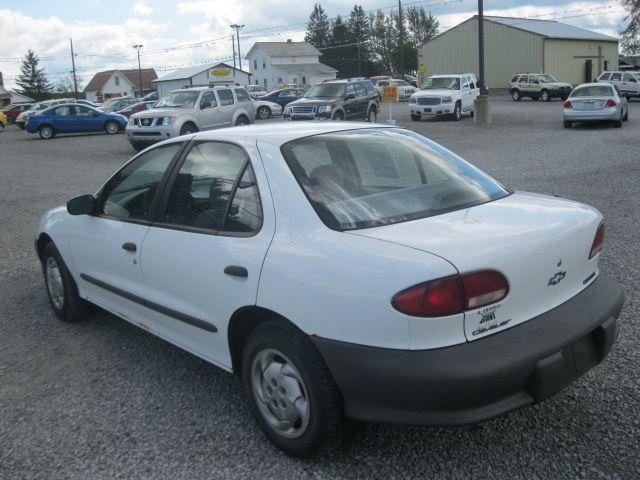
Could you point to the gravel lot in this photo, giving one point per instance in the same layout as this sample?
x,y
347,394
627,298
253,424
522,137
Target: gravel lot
x,y
103,399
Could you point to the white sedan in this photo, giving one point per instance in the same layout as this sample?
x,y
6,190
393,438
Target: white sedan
x,y
343,271
265,109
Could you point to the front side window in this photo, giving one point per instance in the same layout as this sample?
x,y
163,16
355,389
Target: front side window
x,y
627,77
524,78
212,174
360,91
61,111
208,100
616,77
514,79
368,178
130,192
225,96
351,90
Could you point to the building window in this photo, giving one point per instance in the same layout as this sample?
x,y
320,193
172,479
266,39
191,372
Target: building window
x,y
304,80
265,83
279,80
255,64
264,64
117,80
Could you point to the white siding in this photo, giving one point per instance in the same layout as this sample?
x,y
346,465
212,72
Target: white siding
x,y
567,59
203,78
112,88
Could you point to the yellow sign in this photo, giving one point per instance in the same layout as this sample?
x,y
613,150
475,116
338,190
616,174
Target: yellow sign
x,y
422,69
390,93
220,72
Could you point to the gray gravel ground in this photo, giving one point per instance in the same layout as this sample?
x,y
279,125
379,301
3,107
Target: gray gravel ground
x,y
103,399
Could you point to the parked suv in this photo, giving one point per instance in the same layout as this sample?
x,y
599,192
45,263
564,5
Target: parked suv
x,y
405,90
189,110
449,95
627,82
537,86
352,99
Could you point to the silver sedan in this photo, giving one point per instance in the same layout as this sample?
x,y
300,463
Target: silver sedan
x,y
595,102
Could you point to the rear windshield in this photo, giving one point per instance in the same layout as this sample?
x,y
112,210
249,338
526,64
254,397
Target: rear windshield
x,y
367,178
593,91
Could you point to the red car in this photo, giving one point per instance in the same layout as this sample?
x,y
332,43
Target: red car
x,y
12,111
135,108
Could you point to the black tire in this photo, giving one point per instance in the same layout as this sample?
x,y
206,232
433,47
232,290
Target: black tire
x,y
242,120
324,430
1,127
567,124
72,308
188,128
515,95
415,118
472,113
338,117
564,97
626,115
372,115
457,112
21,127
618,123
111,127
545,96
263,113
46,132
138,147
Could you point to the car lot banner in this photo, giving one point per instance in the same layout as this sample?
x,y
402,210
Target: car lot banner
x,y
390,93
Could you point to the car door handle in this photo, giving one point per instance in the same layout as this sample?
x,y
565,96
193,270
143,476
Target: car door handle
x,y
236,271
129,247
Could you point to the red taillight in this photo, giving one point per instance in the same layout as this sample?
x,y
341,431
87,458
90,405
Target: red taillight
x,y
611,103
451,295
597,241
567,104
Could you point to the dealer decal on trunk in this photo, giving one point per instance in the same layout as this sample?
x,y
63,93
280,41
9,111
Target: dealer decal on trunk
x,y
488,320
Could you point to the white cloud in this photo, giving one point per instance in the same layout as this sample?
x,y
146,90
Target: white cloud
x,y
142,9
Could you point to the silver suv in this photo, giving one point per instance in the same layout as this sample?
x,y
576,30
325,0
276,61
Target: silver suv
x,y
627,82
190,110
538,86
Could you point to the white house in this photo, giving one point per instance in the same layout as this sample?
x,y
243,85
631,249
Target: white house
x,y
276,63
119,83
201,76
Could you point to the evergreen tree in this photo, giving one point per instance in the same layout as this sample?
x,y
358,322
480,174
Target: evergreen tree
x,y
333,54
631,32
359,52
422,25
32,79
383,36
318,29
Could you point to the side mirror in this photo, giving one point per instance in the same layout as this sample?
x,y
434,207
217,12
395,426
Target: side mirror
x,y
350,96
82,205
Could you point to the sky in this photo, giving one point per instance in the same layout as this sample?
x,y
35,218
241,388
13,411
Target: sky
x,y
187,32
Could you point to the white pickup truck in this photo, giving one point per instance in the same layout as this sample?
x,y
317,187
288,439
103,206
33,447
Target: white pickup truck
x,y
449,95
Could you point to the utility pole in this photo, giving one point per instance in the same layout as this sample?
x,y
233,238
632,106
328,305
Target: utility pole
x,y
73,66
237,28
138,47
482,113
401,36
233,46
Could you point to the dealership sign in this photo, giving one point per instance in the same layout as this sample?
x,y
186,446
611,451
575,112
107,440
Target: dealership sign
x,y
220,72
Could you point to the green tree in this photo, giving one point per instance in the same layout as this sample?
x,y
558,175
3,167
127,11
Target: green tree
x,y
383,37
32,79
333,55
422,25
631,31
358,51
319,28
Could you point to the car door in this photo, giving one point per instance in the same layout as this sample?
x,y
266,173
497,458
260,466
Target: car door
x,y
61,119
226,104
616,79
202,258
105,247
285,97
350,103
210,115
629,84
89,120
466,94
523,84
362,100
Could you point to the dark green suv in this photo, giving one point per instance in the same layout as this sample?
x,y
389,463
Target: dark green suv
x,y
352,99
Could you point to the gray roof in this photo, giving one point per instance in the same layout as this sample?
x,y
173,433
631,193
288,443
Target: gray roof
x,y
551,29
286,49
188,72
307,68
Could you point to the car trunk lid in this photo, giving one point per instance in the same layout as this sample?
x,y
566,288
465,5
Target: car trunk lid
x,y
589,103
540,244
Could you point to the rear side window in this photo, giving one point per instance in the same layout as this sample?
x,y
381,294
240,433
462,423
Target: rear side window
x,y
368,87
130,192
215,189
616,76
226,97
604,76
242,95
627,77
360,91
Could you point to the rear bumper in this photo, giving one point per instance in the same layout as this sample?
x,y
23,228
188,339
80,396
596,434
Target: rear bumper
x,y
572,115
479,380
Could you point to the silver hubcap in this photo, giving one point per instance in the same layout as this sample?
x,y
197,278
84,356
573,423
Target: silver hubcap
x,y
264,113
46,132
55,287
112,128
280,393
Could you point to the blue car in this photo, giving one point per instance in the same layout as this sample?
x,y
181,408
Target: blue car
x,y
74,118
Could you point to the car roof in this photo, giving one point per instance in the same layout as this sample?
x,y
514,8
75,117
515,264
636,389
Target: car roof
x,y
277,134
594,84
444,75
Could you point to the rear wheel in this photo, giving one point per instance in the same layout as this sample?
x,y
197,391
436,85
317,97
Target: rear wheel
x,y
242,120
626,115
112,127
61,288
46,132
263,113
338,117
618,123
567,124
515,95
291,391
545,96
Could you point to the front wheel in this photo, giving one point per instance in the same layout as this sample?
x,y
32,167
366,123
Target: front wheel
x,y
372,115
291,391
415,118
567,124
338,117
61,288
242,120
515,95
264,113
545,96
112,127
188,128
457,112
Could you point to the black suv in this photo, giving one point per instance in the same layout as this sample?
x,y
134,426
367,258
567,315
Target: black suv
x,y
353,99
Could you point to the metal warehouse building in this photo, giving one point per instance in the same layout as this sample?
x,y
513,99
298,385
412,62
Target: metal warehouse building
x,y
513,45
